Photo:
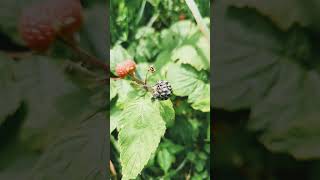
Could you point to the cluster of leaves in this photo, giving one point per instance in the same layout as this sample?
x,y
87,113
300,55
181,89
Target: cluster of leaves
x,y
127,16
166,139
50,106
273,71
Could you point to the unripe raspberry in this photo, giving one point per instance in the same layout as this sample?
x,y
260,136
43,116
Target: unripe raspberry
x,y
130,66
125,68
121,70
68,14
40,23
36,30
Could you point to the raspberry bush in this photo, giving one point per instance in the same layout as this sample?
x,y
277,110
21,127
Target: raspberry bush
x,y
160,120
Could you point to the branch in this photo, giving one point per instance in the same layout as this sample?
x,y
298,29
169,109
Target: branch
x,y
143,83
86,57
197,16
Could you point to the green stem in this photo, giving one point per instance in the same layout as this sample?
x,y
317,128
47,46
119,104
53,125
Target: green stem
x,y
135,79
143,83
141,11
197,16
179,168
146,78
153,19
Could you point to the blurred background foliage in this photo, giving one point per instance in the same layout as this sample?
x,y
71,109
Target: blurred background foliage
x,y
50,107
266,90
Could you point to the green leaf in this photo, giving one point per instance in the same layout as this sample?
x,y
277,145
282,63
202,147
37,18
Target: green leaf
x,y
113,89
10,92
147,46
123,88
243,76
183,132
188,54
168,39
52,99
163,62
171,147
44,82
203,49
144,32
187,45
287,116
283,13
199,98
167,112
271,75
115,116
165,159
141,128
186,81
184,29
180,33
38,81
78,152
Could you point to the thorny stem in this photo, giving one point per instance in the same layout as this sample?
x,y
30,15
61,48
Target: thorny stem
x,y
146,78
74,67
143,83
135,79
88,58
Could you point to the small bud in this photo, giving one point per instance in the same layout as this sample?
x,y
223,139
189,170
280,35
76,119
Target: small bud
x,y
152,69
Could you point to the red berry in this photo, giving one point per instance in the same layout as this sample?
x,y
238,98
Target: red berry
x,y
125,68
40,23
121,70
36,30
130,66
68,15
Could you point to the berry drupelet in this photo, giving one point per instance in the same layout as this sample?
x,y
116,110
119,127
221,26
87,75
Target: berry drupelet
x,y
162,90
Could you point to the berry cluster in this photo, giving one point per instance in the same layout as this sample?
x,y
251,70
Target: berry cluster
x,y
42,22
125,68
162,90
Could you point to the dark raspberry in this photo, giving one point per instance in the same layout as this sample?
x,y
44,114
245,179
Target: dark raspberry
x,y
162,90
